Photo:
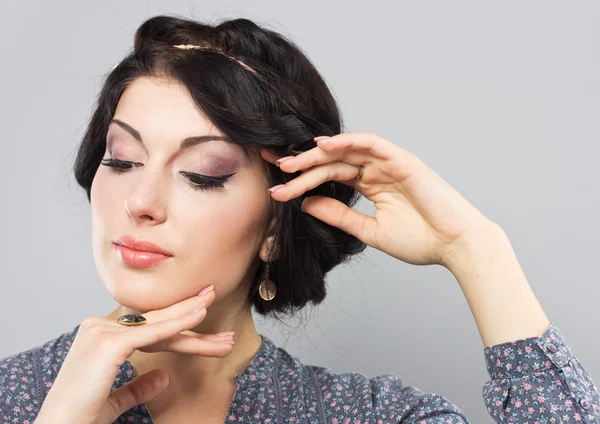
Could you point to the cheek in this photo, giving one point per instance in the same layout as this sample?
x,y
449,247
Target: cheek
x,y
223,234
105,205
104,197
225,222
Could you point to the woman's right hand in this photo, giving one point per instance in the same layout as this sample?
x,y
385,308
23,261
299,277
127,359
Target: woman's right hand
x,y
81,392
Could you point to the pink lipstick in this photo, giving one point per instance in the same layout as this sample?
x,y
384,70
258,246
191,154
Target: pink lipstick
x,y
140,253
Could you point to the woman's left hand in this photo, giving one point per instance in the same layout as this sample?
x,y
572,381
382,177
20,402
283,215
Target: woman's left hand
x,y
419,218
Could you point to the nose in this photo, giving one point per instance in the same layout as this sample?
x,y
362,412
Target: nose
x,y
144,203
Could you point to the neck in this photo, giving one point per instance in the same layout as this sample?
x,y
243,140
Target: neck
x,y
194,373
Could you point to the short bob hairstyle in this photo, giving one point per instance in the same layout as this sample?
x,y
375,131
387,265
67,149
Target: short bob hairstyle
x,y
281,107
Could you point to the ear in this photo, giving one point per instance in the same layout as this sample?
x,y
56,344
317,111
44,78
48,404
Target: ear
x,y
265,249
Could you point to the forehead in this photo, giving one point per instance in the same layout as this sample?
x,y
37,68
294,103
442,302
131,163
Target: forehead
x,y
164,109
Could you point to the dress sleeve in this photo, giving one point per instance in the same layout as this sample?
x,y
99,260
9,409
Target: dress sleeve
x,y
539,380
395,402
385,399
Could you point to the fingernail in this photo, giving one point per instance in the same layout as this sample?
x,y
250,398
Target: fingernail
x,y
275,188
320,138
226,333
206,290
302,205
280,161
200,306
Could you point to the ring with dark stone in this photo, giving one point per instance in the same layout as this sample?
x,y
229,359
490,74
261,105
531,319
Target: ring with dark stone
x,y
131,320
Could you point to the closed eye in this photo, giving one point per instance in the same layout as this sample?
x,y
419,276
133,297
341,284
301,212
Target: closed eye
x,y
197,181
205,182
118,165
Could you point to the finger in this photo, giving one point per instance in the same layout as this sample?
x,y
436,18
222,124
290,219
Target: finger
x,y
367,141
269,156
140,390
180,308
401,162
337,214
139,337
315,176
211,337
314,157
200,344
318,156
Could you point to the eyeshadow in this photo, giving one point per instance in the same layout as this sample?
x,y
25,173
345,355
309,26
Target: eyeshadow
x,y
217,164
214,157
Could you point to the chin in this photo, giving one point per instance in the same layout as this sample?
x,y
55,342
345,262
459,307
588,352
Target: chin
x,y
139,293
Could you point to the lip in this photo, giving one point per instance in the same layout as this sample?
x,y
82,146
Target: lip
x,y
141,245
140,253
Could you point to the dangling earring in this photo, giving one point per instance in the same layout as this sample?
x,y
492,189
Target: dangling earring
x,y
267,288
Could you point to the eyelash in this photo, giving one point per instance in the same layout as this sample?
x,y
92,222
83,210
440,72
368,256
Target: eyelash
x,y
197,181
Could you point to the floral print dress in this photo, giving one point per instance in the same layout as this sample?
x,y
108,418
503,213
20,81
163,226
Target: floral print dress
x,y
536,380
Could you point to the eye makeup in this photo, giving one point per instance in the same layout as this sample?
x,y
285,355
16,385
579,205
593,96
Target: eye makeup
x,y
206,165
212,163
196,181
212,157
205,182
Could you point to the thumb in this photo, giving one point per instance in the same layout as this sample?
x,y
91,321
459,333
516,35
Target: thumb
x,y
141,389
337,214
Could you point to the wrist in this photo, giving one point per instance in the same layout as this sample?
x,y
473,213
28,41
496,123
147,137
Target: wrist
x,y
481,241
495,287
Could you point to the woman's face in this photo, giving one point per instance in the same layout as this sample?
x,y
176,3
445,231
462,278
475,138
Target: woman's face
x,y
212,233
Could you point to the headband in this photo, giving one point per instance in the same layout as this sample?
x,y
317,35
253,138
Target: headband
x,y
196,47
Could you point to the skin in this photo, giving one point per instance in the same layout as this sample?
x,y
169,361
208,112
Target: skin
x,y
216,236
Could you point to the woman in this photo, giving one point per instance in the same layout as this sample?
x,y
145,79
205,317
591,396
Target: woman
x,y
209,190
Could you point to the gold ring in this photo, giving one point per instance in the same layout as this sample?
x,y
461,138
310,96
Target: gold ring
x,y
131,320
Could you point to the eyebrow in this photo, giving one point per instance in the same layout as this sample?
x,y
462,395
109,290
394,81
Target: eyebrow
x,y
185,143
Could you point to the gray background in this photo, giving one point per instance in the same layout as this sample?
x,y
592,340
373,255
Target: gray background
x,y
500,98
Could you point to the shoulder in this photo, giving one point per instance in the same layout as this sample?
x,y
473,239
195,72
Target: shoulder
x,y
356,396
25,377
